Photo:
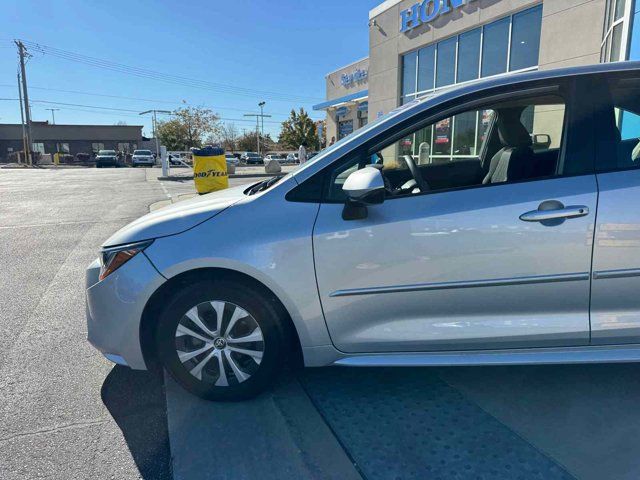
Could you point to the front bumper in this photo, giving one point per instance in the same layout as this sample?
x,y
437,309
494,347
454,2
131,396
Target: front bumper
x,y
107,163
115,306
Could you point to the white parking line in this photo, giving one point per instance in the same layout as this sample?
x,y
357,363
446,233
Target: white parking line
x,y
164,189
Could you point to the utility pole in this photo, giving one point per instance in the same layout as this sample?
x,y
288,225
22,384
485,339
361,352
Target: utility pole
x,y
24,132
22,52
258,117
53,115
154,121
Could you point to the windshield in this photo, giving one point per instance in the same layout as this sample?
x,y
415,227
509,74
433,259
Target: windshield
x,y
142,152
106,152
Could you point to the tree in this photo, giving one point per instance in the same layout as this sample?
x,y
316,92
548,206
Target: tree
x,y
188,128
229,136
298,130
248,142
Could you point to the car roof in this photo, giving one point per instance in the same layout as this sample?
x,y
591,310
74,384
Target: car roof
x,y
453,92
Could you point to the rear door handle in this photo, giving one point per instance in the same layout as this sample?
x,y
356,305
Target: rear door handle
x,y
541,215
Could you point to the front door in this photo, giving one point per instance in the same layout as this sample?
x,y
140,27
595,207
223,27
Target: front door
x,y
475,262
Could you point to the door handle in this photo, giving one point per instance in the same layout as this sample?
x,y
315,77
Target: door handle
x,y
542,215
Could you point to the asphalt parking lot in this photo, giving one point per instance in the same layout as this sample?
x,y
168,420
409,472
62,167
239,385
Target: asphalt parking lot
x,y
65,412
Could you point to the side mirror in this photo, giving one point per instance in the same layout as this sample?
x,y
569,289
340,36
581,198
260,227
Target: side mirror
x,y
363,187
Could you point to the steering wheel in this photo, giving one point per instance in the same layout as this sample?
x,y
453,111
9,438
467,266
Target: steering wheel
x,y
415,173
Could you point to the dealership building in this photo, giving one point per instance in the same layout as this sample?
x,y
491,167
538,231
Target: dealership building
x,y
416,48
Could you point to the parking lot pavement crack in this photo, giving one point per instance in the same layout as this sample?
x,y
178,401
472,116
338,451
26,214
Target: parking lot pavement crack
x,y
55,429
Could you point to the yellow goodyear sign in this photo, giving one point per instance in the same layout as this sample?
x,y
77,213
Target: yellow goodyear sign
x,y
210,170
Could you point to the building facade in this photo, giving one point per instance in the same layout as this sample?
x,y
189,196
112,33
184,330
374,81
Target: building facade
x,y
70,139
346,106
417,47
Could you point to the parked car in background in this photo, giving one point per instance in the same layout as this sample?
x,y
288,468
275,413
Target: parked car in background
x,y
292,158
370,256
106,158
143,157
275,156
311,155
231,159
174,159
252,158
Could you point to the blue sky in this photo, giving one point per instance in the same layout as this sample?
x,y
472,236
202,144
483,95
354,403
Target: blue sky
x,y
280,47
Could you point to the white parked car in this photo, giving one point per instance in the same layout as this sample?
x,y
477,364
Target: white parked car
x,y
293,158
143,157
231,159
275,156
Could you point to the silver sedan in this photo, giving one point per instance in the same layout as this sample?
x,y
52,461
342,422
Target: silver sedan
x,y
495,222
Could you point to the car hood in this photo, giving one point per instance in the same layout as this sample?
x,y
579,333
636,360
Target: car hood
x,y
177,218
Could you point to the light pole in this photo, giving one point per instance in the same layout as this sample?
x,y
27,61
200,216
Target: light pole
x,y
261,105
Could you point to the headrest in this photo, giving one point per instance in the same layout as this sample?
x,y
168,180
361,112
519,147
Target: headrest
x,y
511,130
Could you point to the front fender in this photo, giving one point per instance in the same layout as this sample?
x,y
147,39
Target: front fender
x,y
270,240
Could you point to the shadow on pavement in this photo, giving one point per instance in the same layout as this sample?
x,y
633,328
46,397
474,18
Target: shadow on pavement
x,y
136,401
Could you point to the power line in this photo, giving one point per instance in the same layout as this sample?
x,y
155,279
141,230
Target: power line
x,y
125,112
168,102
168,78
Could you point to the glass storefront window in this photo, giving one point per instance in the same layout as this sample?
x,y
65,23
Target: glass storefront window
x,y
426,68
469,55
345,128
615,44
442,137
446,63
495,48
483,51
620,4
525,39
464,137
409,64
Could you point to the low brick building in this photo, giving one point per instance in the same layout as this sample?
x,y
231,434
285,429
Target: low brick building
x,y
71,139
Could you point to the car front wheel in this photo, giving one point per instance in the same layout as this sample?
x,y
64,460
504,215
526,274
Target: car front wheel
x,y
221,340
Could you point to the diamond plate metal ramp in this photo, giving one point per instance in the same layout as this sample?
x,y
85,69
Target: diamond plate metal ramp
x,y
409,424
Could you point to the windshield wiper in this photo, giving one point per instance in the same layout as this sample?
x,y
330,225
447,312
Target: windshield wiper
x,y
259,187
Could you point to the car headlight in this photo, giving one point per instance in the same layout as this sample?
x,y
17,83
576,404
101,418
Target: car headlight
x,y
113,258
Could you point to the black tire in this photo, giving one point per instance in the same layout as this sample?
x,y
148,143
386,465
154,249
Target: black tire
x,y
264,312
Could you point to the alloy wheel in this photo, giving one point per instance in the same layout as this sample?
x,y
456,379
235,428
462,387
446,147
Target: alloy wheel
x,y
219,343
